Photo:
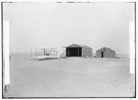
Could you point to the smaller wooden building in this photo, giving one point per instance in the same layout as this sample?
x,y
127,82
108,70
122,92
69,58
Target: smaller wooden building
x,y
105,53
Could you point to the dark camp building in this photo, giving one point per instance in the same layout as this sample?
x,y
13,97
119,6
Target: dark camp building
x,y
76,50
105,53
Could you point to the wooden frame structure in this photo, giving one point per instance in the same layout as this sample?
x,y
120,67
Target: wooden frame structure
x,y
43,53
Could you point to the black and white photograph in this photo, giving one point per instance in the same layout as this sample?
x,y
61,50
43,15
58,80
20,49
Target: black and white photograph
x,y
68,49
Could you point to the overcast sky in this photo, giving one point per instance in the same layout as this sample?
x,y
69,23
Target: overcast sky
x,y
60,24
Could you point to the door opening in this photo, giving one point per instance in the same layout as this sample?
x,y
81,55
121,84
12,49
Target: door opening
x,y
73,52
102,54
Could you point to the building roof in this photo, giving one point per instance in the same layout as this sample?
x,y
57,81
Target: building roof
x,y
77,45
105,48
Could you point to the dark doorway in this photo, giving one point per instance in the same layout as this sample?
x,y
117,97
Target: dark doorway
x,y
102,54
71,52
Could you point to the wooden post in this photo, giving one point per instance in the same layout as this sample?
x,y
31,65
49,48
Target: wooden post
x,y
44,51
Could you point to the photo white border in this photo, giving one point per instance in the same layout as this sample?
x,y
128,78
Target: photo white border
x,y
73,1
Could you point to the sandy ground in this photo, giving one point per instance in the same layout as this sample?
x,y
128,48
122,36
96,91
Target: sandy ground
x,y
71,77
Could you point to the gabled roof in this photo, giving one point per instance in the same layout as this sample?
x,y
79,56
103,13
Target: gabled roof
x,y
105,48
77,45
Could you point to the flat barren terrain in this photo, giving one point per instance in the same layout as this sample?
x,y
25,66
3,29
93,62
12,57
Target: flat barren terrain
x,y
71,77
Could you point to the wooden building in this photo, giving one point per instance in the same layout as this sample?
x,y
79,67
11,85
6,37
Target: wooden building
x,y
105,53
76,50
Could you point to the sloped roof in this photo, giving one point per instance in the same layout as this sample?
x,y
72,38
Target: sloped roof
x,y
77,45
105,48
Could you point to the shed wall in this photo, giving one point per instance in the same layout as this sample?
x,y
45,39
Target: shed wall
x,y
112,54
86,52
107,54
98,54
